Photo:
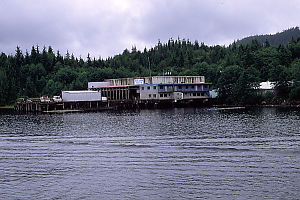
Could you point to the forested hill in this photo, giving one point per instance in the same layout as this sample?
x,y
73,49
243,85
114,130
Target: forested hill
x,y
234,70
282,38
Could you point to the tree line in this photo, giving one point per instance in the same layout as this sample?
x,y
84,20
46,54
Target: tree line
x,y
235,70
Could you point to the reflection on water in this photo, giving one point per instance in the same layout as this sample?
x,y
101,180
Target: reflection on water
x,y
183,153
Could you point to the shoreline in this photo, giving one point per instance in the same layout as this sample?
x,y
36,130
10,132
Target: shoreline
x,y
11,108
257,106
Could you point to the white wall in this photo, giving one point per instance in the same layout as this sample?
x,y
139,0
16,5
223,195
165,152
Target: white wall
x,y
73,96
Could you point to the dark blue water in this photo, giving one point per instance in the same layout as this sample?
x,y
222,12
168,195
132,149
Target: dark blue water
x,y
151,154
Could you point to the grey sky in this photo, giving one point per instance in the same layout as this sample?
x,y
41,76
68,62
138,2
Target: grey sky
x,y
106,27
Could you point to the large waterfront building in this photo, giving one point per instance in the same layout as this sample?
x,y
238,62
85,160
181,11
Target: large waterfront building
x,y
126,93
154,88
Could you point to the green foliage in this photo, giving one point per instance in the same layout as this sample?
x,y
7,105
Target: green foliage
x,y
245,91
227,84
282,76
3,87
295,71
268,97
295,94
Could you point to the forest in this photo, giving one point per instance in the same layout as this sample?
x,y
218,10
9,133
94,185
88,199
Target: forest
x,y
235,71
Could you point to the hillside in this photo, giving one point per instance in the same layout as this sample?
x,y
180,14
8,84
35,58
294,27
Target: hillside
x,y
282,38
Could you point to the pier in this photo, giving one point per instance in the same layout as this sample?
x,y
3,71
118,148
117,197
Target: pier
x,y
30,105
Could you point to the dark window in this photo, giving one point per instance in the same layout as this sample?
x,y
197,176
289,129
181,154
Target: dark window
x,y
161,95
194,94
154,95
148,88
154,87
192,87
161,87
165,95
149,95
187,87
142,88
179,87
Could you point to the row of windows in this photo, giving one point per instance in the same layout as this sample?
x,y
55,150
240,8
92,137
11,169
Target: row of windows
x,y
191,87
168,95
198,94
171,87
195,94
160,95
164,95
148,88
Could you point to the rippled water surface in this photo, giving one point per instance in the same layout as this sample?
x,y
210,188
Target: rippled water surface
x,y
184,153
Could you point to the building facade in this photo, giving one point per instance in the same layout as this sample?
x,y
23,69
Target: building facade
x,y
154,88
177,91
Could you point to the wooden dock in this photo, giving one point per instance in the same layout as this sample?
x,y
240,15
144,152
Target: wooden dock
x,y
34,105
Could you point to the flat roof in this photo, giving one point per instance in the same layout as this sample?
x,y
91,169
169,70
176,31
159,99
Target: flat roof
x,y
266,85
81,91
116,86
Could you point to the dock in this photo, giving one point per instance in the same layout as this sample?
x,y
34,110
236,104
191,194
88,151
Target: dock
x,y
30,105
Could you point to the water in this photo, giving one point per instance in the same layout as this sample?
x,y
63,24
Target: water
x,y
183,153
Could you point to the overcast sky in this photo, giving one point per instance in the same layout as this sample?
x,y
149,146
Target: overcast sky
x,y
107,27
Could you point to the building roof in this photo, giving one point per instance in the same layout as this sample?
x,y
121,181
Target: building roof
x,y
80,91
156,80
117,86
266,85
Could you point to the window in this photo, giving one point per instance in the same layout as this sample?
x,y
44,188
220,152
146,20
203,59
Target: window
x,y
179,87
142,88
148,88
161,87
198,94
154,87
194,94
154,95
165,95
192,87
149,95
187,87
161,95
